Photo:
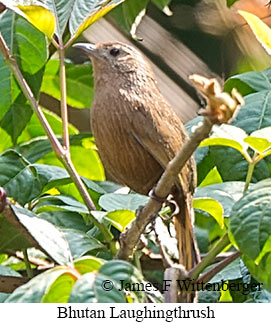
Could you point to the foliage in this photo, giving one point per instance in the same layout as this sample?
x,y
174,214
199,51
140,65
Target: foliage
x,y
234,167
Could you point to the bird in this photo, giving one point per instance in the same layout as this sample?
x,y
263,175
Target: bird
x,y
138,133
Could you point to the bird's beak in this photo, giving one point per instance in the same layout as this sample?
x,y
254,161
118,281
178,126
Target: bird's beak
x,y
89,48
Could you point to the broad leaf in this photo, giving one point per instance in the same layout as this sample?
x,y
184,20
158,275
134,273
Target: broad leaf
x,y
35,12
213,207
29,47
47,236
112,202
261,31
120,218
250,220
33,291
79,80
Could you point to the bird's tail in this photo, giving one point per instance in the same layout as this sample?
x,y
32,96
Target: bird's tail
x,y
189,254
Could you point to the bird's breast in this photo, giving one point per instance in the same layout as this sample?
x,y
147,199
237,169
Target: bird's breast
x,y
121,153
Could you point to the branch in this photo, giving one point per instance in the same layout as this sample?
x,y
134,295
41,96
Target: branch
x,y
204,278
63,102
130,237
221,108
206,261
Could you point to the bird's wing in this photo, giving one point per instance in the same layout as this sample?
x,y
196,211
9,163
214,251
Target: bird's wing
x,y
162,134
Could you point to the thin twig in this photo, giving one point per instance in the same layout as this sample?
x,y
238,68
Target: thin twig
x,y
204,278
63,102
222,244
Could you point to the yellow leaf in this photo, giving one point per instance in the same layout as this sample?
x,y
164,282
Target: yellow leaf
x,y
40,17
259,28
89,21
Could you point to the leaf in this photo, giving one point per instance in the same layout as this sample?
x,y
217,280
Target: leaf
x,y
87,163
33,291
213,177
249,82
48,237
260,271
60,289
5,141
80,243
230,136
113,201
230,272
250,219
85,12
16,119
35,12
213,207
225,193
88,264
129,14
258,144
119,270
29,47
79,80
34,129
120,218
18,177
261,31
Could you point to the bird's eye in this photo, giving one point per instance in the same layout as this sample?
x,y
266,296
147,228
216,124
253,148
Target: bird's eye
x,y
114,52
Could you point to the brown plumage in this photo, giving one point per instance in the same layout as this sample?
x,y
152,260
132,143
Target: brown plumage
x,y
137,133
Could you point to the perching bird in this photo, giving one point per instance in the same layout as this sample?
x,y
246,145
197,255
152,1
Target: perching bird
x,y
137,132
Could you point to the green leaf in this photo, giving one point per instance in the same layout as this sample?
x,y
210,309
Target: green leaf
x,y
260,140
127,13
89,289
35,12
33,291
260,271
34,128
227,135
120,218
79,80
48,237
87,163
11,238
16,119
85,12
5,141
213,177
18,177
249,82
230,272
225,193
256,114
29,47
88,264
59,202
250,219
118,270
258,144
60,289
113,201
211,206
232,166
80,243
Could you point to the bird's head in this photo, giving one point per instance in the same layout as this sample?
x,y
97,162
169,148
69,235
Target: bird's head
x,y
114,55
